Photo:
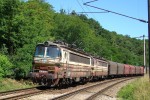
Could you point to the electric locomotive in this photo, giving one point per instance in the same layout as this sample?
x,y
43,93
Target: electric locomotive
x,y
57,63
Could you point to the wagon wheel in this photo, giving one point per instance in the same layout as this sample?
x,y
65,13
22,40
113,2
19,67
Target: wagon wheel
x,y
55,82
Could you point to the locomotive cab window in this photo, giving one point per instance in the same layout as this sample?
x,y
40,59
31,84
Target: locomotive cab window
x,y
53,52
92,62
39,52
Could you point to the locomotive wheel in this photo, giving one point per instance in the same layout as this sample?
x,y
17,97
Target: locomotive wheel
x,y
55,82
43,81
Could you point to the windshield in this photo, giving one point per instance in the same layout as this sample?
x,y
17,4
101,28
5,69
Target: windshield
x,y
53,52
39,52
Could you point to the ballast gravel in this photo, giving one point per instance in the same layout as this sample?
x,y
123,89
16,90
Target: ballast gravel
x,y
108,95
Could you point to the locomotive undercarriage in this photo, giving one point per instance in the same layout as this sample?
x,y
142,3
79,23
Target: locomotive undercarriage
x,y
51,79
55,78
43,77
59,76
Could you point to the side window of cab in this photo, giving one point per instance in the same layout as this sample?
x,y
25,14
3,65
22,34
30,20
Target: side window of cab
x,y
65,56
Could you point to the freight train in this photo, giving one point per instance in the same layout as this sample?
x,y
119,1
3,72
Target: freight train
x,y
57,63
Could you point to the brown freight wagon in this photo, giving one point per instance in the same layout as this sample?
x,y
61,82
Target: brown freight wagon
x,y
126,69
138,70
132,70
120,69
142,70
112,68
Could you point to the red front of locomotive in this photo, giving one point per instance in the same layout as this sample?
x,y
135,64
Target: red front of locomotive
x,y
45,75
46,64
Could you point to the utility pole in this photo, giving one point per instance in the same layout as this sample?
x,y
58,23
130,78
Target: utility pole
x,y
144,54
149,34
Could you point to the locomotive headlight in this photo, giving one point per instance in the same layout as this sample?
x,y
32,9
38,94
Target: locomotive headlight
x,y
47,43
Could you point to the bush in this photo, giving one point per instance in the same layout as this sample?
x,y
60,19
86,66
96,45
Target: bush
x,y
137,90
23,61
5,66
127,92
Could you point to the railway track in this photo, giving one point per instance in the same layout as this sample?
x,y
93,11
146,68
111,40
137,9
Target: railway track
x,y
93,96
91,92
21,93
86,93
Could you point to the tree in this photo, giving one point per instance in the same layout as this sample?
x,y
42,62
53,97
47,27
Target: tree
x,y
8,29
6,67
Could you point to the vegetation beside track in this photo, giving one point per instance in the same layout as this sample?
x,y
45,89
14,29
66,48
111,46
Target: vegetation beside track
x,y
10,84
136,90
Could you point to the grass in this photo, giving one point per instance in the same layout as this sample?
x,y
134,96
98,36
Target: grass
x,y
7,84
136,90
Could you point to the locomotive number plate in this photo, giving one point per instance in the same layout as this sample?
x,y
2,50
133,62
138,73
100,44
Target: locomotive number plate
x,y
43,71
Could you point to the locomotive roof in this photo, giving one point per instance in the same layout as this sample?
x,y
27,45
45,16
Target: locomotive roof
x,y
70,47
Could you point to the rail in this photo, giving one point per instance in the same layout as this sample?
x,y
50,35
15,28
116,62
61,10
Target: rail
x,y
65,96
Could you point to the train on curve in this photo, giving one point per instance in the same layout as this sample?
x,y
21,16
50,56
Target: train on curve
x,y
57,63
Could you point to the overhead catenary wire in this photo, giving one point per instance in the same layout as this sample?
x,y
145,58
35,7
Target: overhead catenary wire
x,y
88,10
80,5
140,36
93,12
90,1
87,4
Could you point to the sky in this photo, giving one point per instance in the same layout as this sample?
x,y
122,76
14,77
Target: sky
x,y
110,21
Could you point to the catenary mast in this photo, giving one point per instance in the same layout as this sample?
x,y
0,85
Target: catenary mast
x,y
149,34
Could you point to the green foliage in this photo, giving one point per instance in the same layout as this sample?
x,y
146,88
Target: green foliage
x,y
7,84
3,50
8,29
70,28
127,92
23,61
36,22
5,66
137,90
